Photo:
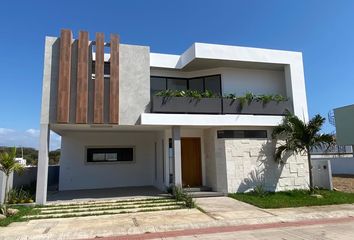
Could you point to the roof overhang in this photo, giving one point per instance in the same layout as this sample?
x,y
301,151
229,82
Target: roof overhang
x,y
208,120
203,56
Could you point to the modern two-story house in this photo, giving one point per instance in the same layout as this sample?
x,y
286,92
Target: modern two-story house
x,y
129,117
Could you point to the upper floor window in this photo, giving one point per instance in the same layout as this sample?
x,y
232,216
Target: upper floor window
x,y
177,83
157,84
201,84
107,68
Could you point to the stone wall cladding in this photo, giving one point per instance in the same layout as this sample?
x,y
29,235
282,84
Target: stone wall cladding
x,y
250,163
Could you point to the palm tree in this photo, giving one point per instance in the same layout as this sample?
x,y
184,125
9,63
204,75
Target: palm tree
x,y
9,165
301,137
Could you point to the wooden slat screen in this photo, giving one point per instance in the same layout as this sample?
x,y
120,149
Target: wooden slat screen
x,y
114,80
63,100
82,78
99,80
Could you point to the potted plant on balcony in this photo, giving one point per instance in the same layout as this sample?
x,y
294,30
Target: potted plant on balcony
x,y
255,104
186,101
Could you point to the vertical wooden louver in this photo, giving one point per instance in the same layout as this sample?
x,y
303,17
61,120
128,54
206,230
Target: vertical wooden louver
x,y
114,80
63,101
99,80
82,78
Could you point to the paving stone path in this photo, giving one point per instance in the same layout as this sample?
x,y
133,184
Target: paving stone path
x,y
96,208
215,212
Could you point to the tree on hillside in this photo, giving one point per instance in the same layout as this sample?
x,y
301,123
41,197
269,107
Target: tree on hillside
x,y
31,155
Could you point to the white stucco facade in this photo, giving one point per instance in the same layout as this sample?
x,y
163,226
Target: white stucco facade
x,y
227,164
77,173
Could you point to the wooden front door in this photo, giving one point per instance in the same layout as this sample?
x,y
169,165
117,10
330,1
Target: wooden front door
x,y
191,162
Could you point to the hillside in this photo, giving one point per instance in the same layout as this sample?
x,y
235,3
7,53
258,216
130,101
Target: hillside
x,y
31,155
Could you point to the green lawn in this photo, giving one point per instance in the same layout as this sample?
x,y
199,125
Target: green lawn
x,y
23,211
295,198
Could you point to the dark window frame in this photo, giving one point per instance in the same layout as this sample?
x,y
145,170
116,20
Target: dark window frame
x,y
165,80
188,79
90,151
106,68
242,134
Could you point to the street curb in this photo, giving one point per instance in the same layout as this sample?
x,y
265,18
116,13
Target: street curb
x,y
225,229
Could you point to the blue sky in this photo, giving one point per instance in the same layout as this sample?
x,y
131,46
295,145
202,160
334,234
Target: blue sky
x,y
322,30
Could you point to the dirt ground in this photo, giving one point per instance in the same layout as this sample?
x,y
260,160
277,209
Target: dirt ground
x,y
343,183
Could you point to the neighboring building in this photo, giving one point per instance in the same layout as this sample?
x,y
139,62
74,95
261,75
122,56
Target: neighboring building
x,y
21,161
343,163
344,118
116,132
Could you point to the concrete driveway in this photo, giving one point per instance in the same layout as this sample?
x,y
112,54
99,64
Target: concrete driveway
x,y
224,208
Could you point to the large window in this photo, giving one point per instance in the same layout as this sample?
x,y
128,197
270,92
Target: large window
x,y
157,84
242,134
177,83
211,83
196,84
122,154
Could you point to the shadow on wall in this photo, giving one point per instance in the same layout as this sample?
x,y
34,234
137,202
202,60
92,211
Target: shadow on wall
x,y
267,173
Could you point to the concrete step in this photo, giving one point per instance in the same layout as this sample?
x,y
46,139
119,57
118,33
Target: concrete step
x,y
198,189
107,207
105,204
206,194
73,203
101,212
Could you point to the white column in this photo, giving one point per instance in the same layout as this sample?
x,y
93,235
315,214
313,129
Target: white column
x,y
167,157
2,186
177,160
42,172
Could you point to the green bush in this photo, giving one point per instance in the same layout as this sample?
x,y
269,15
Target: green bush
x,y
259,191
249,97
182,195
186,93
178,193
189,201
19,195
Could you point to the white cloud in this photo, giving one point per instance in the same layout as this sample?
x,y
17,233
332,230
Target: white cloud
x,y
6,131
28,138
33,132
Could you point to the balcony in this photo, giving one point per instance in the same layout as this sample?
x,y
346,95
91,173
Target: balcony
x,y
186,105
218,105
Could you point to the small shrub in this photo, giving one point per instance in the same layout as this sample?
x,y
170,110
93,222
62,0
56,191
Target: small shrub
x,y
182,195
189,201
265,98
259,191
231,96
249,97
279,98
178,193
186,93
19,195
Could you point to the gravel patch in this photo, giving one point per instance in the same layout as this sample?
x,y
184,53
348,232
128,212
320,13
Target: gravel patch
x,y
343,182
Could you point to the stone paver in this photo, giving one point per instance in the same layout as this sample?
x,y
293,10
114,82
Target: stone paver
x,y
219,212
227,208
